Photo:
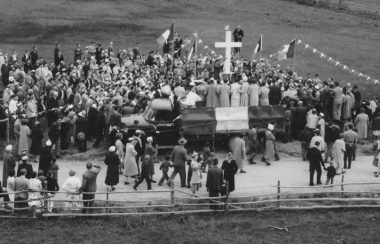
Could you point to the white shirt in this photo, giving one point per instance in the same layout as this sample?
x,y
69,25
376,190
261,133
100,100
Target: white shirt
x,y
12,106
191,99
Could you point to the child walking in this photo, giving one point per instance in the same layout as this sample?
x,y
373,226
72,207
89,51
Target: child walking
x,y
164,167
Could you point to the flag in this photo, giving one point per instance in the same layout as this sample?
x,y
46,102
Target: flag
x,y
193,49
167,36
259,46
287,51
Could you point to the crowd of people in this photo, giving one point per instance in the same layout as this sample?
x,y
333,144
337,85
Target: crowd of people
x,y
52,107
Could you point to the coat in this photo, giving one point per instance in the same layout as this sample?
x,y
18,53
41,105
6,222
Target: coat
x,y
338,150
361,122
28,167
196,177
152,152
24,142
37,136
253,93
214,179
112,161
237,146
264,96
211,96
235,94
244,99
274,95
45,160
89,180
130,166
269,145
224,95
230,169
179,156
314,156
9,163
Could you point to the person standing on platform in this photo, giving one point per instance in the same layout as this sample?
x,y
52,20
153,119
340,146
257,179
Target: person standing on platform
x,y
224,94
214,182
229,168
238,34
350,137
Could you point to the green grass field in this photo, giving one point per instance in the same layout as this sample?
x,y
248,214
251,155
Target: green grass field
x,y
350,39
338,226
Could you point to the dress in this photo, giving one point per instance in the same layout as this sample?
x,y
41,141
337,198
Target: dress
x,y
224,95
338,150
119,149
71,186
229,170
112,161
24,143
130,166
35,197
269,145
264,96
152,152
235,94
211,96
253,93
237,147
45,160
244,99
361,122
196,177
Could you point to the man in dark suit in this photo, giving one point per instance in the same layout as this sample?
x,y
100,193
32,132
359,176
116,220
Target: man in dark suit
x,y
274,94
81,131
214,181
21,186
299,119
34,57
315,158
89,186
179,158
238,37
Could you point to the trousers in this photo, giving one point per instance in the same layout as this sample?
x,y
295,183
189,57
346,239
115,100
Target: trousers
x,y
319,173
348,155
182,174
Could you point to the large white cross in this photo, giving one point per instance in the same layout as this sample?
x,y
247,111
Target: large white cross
x,y
228,45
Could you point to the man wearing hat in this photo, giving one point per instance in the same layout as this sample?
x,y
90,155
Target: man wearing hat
x,y
25,165
179,158
9,163
89,186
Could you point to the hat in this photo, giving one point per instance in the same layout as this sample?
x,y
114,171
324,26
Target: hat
x,y
138,132
321,114
9,148
112,149
130,139
24,158
194,154
146,157
270,127
48,143
182,141
149,139
300,103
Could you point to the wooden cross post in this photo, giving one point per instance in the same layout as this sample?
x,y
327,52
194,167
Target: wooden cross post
x,y
228,45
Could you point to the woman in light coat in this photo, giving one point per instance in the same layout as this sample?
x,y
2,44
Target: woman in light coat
x,y
196,177
130,166
71,186
338,150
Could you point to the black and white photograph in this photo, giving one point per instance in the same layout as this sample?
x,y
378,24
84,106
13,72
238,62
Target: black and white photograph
x,y
204,121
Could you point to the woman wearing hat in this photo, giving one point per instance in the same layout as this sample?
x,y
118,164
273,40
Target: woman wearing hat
x,y
71,186
152,152
269,144
36,136
24,141
45,157
24,165
130,166
112,161
229,168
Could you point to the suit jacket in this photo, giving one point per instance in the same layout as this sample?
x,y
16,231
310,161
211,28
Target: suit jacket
x,y
81,125
214,179
274,95
21,184
314,156
179,156
89,180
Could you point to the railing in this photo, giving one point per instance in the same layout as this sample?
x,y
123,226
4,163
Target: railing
x,y
183,202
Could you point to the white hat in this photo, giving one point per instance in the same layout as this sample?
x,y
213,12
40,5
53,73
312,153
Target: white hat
x,y
270,127
112,149
131,139
48,143
194,154
11,79
321,114
138,132
149,139
24,158
107,61
9,148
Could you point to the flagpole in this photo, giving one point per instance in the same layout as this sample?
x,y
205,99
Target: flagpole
x,y
294,57
173,46
195,53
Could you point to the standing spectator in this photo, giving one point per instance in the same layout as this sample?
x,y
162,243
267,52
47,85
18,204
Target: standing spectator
x,y
138,147
211,95
35,195
315,158
81,131
270,150
252,145
361,124
206,154
338,150
45,158
299,119
229,168
237,146
253,92
238,37
179,158
52,188
120,150
274,94
244,99
164,167
89,186
9,163
56,54
338,99
100,126
214,182
376,156
144,174
264,94
34,57
20,187
196,177
112,161
24,142
54,134
77,53
130,165
71,186
331,172
5,197
25,165
235,93
350,137
224,92
36,136
152,152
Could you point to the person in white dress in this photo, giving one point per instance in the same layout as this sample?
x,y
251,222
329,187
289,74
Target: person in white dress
x,y
34,195
71,186
235,94
338,150
196,177
130,166
120,150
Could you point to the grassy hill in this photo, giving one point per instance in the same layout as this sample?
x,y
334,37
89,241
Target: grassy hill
x,y
350,39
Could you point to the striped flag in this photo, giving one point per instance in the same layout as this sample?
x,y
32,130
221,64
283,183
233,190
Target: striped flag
x,y
287,51
194,48
259,46
167,36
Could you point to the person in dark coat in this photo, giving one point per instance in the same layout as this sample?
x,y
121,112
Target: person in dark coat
x,y
299,119
214,182
45,158
54,135
52,108
315,158
229,168
65,133
92,115
81,130
37,136
100,126
24,165
274,94
112,161
144,175
9,163
152,152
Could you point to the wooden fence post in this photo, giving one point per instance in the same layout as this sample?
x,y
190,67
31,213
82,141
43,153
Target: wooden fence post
x,y
107,199
172,197
227,194
278,192
342,186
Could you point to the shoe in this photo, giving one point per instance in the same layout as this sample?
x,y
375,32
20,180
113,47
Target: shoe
x,y
376,175
126,183
168,184
153,181
135,188
262,159
319,183
149,189
159,184
312,184
252,162
277,159
113,188
268,164
188,186
242,171
183,186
